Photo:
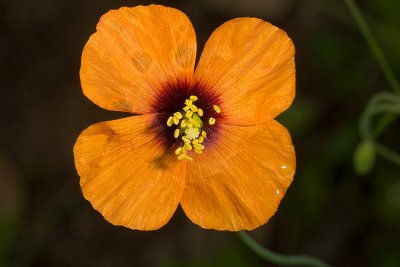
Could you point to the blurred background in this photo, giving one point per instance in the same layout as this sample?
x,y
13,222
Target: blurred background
x,y
329,211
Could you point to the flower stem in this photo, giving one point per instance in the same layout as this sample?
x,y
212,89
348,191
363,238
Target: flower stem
x,y
388,154
383,102
373,45
277,258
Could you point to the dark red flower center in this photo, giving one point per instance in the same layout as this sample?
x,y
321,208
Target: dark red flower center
x,y
187,117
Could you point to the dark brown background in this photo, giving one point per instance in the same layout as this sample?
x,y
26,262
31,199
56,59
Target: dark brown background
x,y
328,212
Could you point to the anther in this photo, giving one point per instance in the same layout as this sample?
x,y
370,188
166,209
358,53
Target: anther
x,y
188,146
189,114
178,150
200,112
198,146
193,108
170,121
193,98
217,109
176,133
178,115
211,121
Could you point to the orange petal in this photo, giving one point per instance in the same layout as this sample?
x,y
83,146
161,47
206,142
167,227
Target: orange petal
x,y
127,174
249,63
134,53
238,182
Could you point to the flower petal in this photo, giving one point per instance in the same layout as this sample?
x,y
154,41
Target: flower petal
x,y
127,174
238,183
134,53
249,63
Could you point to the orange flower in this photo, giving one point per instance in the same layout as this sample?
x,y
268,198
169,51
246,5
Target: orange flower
x,y
205,138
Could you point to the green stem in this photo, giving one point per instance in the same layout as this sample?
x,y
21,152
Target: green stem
x,y
388,154
383,122
373,45
374,108
277,258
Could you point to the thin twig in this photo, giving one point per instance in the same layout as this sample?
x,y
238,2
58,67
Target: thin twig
x,y
373,45
298,260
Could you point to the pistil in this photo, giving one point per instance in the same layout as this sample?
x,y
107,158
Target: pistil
x,y
190,128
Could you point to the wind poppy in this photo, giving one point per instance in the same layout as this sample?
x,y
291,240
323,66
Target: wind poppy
x,y
203,138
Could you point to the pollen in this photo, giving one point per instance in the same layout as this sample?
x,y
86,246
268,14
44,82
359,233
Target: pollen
x,y
217,109
170,121
193,108
178,115
189,114
211,121
189,129
176,133
178,150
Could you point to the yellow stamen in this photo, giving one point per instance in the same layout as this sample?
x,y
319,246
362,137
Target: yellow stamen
x,y
211,121
178,150
189,128
188,146
176,133
201,139
170,121
193,108
178,115
189,114
198,146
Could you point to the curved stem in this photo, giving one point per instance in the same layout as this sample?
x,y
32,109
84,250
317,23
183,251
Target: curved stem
x,y
373,45
384,121
388,154
384,97
277,258
374,108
